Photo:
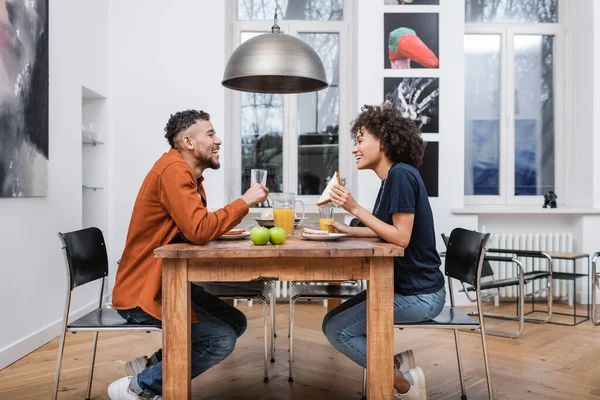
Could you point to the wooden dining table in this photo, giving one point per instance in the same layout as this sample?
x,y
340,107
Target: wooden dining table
x,y
297,259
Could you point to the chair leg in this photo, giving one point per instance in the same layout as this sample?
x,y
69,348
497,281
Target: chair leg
x,y
291,355
274,309
61,347
364,385
91,375
266,361
272,303
460,366
484,348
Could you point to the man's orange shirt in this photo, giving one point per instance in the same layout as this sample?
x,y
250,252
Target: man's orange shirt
x,y
170,201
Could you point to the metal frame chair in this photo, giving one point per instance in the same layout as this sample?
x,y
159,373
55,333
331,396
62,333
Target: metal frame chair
x,y
595,284
260,290
494,285
87,261
464,262
306,291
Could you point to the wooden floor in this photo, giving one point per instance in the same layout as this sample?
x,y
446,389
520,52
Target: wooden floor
x,y
546,362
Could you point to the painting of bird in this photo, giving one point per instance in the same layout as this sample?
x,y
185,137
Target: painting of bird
x,y
411,40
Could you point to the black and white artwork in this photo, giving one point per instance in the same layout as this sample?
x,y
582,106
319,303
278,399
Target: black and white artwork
x,y
417,99
411,2
429,170
23,98
411,40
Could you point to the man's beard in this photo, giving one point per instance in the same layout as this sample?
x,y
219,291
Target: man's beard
x,y
211,163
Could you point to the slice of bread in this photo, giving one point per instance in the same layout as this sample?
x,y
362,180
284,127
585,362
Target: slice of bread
x,y
309,231
235,232
324,199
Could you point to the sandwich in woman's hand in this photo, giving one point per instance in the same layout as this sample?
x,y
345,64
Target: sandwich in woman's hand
x,y
324,199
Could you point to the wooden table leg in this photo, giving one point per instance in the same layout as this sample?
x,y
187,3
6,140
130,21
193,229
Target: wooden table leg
x,y
380,329
333,303
176,330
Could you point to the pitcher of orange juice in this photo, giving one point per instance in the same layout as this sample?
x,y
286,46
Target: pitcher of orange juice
x,y
284,210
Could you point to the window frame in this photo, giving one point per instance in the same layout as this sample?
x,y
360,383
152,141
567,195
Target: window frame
x,y
290,104
506,172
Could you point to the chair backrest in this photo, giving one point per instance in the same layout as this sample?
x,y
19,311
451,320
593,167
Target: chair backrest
x,y
85,252
465,251
486,269
356,222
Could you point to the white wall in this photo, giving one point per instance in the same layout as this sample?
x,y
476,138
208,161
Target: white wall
x,y
451,73
170,60
32,280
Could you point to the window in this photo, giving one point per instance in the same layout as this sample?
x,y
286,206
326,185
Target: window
x,y
296,138
513,86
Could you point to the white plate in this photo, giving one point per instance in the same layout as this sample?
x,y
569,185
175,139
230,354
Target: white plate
x,y
234,237
324,238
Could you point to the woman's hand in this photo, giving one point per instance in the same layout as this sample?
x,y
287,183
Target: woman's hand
x,y
341,228
342,197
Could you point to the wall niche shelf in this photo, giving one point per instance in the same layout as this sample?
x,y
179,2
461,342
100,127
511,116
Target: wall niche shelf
x,y
94,188
91,142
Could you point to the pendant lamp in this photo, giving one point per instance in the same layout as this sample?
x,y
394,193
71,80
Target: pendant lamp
x,y
274,63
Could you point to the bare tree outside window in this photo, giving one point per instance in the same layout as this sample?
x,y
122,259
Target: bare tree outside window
x,y
319,10
511,11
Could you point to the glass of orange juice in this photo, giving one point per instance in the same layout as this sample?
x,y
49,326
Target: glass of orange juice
x,y
284,211
326,215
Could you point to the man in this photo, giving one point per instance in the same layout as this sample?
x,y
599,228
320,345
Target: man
x,y
171,206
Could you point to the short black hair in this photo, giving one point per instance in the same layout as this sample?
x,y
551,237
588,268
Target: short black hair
x,y
400,137
182,120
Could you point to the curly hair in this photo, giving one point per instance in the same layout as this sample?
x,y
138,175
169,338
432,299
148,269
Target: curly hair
x,y
182,120
400,138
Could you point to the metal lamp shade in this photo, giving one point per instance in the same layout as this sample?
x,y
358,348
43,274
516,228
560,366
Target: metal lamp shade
x,y
274,63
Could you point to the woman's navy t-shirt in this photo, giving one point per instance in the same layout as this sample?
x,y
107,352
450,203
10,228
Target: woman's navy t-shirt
x,y
403,191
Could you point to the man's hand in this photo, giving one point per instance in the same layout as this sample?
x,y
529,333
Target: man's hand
x,y
256,194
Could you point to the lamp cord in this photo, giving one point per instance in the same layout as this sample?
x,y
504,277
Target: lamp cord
x,y
275,28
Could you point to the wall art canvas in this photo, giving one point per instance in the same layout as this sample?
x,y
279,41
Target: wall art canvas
x,y
411,40
417,98
412,2
23,98
429,170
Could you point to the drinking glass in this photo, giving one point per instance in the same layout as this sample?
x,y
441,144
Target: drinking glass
x,y
258,176
326,213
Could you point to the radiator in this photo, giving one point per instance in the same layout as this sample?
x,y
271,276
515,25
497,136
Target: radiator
x,y
561,241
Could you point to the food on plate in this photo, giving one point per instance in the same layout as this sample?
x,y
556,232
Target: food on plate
x,y
235,231
325,198
309,231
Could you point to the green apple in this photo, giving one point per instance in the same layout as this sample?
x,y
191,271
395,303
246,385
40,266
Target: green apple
x,y
277,235
259,235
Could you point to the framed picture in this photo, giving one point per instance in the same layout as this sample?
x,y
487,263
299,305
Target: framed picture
x,y
429,170
417,99
24,99
412,2
411,40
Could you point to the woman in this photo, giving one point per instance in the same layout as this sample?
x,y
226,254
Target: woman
x,y
392,147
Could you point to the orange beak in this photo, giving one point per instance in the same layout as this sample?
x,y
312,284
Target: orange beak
x,y
413,48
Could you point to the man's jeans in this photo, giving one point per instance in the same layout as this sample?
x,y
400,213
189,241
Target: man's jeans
x,y
213,338
346,325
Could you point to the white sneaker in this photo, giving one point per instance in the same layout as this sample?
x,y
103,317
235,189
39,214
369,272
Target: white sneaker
x,y
417,389
134,367
406,359
119,390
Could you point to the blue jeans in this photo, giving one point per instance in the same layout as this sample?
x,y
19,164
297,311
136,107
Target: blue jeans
x,y
213,338
346,325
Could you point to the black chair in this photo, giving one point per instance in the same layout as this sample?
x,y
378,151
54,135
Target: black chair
x,y
86,259
493,285
464,262
259,290
595,283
